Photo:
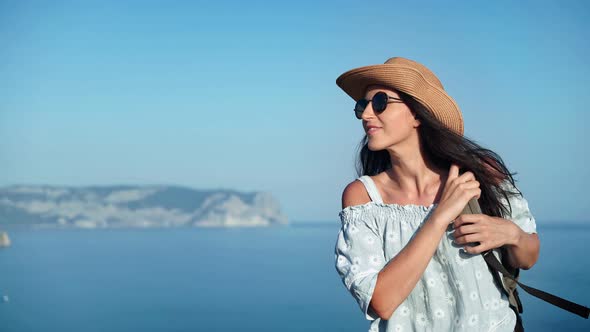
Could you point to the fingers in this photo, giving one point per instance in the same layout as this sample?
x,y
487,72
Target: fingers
x,y
453,172
466,180
466,229
454,175
469,185
467,219
465,177
477,249
478,194
458,190
469,238
470,190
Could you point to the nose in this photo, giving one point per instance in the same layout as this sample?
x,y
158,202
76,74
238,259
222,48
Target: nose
x,y
368,113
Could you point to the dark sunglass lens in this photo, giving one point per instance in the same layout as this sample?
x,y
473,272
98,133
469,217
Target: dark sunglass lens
x,y
360,107
380,102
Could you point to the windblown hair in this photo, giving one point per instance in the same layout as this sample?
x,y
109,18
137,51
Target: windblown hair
x,y
443,147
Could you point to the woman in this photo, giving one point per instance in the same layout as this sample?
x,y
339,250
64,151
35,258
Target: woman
x,y
404,253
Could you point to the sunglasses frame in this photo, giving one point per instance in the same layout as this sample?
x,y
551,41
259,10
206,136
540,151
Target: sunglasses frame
x,y
378,108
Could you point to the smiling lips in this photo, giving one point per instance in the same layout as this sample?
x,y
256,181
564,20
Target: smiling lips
x,y
372,129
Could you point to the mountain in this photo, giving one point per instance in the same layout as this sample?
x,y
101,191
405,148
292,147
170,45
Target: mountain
x,y
135,206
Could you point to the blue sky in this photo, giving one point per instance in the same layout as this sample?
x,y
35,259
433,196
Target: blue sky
x,y
242,95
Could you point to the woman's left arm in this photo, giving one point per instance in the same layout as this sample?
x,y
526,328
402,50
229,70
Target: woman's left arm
x,y
523,249
494,232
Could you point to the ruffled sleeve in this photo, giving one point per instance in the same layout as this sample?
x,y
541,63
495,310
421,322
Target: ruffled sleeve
x,y
521,214
359,257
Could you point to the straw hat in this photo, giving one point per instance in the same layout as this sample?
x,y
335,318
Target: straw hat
x,y
410,77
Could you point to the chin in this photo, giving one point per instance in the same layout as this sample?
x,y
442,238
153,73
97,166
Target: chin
x,y
375,146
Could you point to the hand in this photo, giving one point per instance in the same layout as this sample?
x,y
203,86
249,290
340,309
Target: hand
x,y
490,232
456,194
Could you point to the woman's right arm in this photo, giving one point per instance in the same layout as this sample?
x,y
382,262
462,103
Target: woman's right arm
x,y
400,275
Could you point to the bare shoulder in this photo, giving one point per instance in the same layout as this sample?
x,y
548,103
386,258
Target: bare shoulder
x,y
355,194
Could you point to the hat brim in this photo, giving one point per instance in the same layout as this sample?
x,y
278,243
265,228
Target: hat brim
x,y
408,80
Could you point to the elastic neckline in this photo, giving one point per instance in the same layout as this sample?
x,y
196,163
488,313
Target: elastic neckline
x,y
393,205
376,198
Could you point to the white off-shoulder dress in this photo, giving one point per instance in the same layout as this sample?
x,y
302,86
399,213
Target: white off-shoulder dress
x,y
456,292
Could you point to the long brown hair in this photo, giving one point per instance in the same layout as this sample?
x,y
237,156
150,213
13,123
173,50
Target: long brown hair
x,y
442,147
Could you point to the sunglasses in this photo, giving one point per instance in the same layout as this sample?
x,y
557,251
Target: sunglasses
x,y
380,101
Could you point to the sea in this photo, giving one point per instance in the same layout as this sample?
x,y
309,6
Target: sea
x,y
252,279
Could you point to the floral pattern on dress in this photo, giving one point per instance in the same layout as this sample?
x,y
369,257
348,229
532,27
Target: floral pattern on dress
x,y
456,291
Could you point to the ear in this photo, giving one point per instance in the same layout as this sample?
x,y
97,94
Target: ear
x,y
416,120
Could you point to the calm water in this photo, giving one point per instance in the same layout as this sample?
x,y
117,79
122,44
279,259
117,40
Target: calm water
x,y
280,279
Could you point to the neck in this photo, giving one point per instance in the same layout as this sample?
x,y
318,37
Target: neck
x,y
412,172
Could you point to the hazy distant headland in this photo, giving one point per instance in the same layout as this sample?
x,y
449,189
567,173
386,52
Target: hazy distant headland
x,y
135,206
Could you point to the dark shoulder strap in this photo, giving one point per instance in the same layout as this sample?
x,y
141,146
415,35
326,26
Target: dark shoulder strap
x,y
572,307
495,265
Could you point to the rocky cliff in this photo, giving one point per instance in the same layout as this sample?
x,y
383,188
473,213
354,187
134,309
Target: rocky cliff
x,y
136,206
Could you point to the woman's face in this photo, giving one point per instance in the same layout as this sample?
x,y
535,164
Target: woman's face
x,y
396,125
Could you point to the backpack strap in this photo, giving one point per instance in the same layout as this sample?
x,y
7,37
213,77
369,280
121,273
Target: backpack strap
x,y
506,283
491,260
572,307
